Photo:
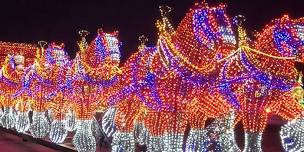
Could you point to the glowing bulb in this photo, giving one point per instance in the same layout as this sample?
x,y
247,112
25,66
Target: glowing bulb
x,y
84,140
40,126
58,131
22,122
8,118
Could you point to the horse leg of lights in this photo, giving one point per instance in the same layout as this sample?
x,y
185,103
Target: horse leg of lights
x,y
254,125
197,132
22,118
141,134
22,121
97,130
123,141
155,144
58,131
173,141
227,138
174,135
84,140
123,138
196,136
108,124
40,126
8,118
292,135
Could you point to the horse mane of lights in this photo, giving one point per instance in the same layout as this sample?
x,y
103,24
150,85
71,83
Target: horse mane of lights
x,y
163,94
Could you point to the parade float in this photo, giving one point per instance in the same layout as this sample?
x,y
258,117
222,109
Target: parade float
x,y
161,97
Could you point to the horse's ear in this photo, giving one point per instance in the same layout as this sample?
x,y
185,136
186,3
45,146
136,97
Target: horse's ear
x,y
115,33
223,6
62,45
52,44
99,31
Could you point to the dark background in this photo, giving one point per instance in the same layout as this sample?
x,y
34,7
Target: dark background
x,y
29,21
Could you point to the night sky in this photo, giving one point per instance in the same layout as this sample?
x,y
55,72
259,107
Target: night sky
x,y
29,21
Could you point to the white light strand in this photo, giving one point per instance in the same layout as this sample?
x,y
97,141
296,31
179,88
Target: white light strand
x,y
113,47
227,35
50,115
